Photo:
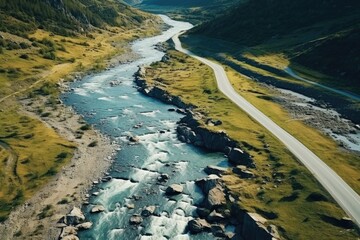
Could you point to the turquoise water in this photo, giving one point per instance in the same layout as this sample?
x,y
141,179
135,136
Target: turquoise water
x,y
115,111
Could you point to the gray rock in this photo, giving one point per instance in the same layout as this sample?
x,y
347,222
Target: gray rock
x,y
74,217
239,157
174,189
135,219
149,210
130,205
218,230
273,230
198,225
208,183
70,237
211,169
215,217
215,198
97,209
84,226
203,212
254,227
163,177
134,139
68,231
243,172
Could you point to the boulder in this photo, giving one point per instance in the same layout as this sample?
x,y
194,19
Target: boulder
x,y
70,237
188,135
68,231
134,139
218,230
215,198
273,230
84,226
254,227
163,177
97,209
74,217
203,212
243,172
215,217
149,210
135,219
211,169
239,157
174,189
198,225
130,205
205,184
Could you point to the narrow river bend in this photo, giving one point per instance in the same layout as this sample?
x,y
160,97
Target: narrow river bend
x,y
119,112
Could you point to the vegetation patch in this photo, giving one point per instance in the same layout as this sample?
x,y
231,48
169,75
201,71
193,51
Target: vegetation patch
x,y
29,154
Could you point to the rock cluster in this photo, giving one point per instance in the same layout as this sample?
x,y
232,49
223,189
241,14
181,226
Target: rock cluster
x,y
213,215
72,223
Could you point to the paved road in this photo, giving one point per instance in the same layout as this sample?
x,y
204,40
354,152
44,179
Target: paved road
x,y
340,92
345,196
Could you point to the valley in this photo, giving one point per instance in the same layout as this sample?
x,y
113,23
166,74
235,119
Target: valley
x,y
78,135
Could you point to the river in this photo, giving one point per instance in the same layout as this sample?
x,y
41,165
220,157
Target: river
x,y
120,112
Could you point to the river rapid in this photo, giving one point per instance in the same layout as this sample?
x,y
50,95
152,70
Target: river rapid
x,y
121,112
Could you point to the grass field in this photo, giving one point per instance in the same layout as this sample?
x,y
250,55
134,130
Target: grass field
x,y
284,190
30,155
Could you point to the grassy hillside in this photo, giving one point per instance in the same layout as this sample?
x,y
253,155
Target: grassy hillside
x,y
321,35
65,16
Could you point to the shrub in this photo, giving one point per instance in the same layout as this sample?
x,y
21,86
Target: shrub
x,y
49,55
85,127
12,46
63,201
93,144
316,197
24,45
24,56
62,155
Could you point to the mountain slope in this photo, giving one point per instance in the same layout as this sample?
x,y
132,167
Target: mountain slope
x,y
322,35
195,11
66,16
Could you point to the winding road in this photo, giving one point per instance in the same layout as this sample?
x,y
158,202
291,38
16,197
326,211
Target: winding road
x,y
344,195
353,96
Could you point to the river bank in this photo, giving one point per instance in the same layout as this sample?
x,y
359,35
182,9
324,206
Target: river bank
x,y
69,187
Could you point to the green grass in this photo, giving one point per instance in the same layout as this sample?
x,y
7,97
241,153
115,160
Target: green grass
x,y
29,156
288,183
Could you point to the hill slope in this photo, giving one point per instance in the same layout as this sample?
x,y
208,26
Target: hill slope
x,y
195,11
65,16
322,35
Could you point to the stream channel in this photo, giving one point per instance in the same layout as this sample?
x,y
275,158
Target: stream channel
x,y
115,110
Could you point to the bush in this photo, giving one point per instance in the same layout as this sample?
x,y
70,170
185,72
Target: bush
x,y
62,155
316,197
93,144
63,201
85,127
12,46
24,56
24,45
49,55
